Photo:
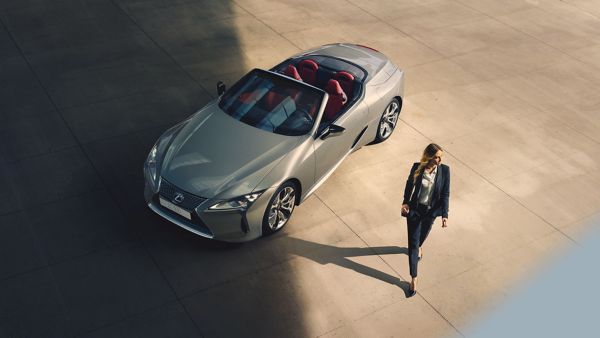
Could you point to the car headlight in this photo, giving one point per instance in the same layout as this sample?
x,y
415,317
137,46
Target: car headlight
x,y
151,162
238,203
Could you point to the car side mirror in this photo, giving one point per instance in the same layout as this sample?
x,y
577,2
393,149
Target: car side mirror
x,y
221,88
332,130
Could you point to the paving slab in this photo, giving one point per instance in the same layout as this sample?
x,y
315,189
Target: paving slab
x,y
466,298
31,306
51,177
110,285
78,225
327,288
138,112
119,163
19,245
170,320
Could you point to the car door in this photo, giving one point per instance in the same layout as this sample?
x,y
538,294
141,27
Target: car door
x,y
329,152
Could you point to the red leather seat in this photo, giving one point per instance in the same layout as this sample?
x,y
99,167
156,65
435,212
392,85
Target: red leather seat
x,y
272,100
337,99
292,72
308,71
346,80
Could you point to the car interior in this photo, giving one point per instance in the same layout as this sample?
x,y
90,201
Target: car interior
x,y
335,78
272,104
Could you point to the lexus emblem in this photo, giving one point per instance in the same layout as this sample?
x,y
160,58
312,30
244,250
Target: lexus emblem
x,y
178,197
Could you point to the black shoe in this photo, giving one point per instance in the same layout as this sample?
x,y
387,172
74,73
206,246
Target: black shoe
x,y
411,293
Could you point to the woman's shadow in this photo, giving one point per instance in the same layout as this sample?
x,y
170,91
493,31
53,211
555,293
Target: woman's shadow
x,y
327,254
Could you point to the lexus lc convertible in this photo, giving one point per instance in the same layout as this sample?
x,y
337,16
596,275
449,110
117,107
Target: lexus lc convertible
x,y
235,170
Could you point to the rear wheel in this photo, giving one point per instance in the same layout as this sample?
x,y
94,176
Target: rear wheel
x,y
280,208
388,121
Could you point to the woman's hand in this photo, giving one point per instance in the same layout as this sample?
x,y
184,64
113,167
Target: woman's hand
x,y
405,208
444,222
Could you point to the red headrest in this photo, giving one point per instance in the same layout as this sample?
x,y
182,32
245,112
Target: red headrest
x,y
333,87
337,99
308,63
292,72
344,76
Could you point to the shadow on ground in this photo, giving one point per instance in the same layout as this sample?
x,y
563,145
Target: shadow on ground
x,y
88,86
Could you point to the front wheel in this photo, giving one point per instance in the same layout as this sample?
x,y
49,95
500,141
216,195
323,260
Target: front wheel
x,y
388,121
280,208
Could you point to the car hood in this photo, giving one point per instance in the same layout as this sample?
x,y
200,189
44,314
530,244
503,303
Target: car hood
x,y
217,156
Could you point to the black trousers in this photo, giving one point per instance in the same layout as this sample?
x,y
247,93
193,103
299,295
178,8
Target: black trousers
x,y
419,224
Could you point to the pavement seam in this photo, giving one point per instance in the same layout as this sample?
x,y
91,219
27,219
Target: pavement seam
x,y
165,277
126,318
267,25
124,96
532,36
497,187
70,259
484,263
388,265
147,35
55,286
100,139
399,30
254,272
95,169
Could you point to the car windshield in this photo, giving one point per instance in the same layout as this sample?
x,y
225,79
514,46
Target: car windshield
x,y
273,103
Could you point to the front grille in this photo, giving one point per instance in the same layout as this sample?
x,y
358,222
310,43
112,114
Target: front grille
x,y
196,223
190,201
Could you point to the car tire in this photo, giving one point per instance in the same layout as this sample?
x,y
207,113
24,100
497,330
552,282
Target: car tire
x,y
280,208
388,121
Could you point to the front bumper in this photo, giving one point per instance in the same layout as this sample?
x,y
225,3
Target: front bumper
x,y
223,225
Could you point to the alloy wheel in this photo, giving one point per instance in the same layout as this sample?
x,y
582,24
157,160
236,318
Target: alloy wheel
x,y
388,121
281,208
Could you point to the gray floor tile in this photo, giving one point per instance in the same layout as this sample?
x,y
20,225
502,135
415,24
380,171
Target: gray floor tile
x,y
156,15
7,46
99,84
19,101
19,247
8,197
119,161
45,25
110,285
90,51
79,225
56,64
264,304
30,124
204,50
30,306
27,136
20,91
170,320
134,113
8,4
186,259
50,177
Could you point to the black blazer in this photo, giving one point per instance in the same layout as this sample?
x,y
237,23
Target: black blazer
x,y
441,190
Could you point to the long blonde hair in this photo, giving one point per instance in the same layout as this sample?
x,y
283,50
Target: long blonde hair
x,y
428,155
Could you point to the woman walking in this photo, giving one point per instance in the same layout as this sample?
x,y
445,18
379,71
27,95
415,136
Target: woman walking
x,y
426,197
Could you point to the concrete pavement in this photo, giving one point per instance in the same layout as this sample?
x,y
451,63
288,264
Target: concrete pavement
x,y
508,88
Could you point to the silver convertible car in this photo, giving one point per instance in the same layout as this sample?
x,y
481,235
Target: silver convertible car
x,y
235,170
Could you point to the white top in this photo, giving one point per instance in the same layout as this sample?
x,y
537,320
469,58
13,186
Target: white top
x,y
427,185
